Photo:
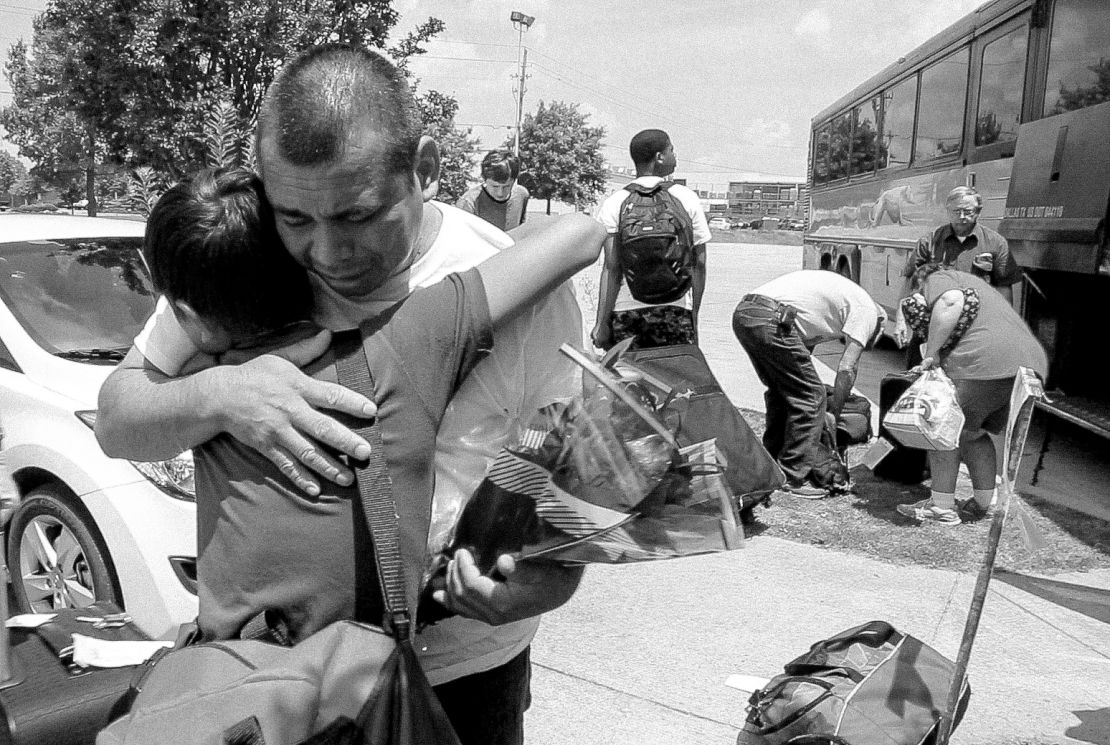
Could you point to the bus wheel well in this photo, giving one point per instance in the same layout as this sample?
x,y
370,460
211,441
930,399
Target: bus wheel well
x,y
844,267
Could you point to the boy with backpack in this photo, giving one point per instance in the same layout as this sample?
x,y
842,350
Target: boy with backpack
x,y
654,272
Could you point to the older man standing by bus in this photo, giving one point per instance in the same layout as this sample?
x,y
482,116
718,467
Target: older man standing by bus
x,y
965,245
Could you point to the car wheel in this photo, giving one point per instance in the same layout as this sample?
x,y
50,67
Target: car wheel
x,y
55,558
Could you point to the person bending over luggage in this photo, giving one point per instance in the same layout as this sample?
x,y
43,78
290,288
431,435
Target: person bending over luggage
x,y
651,287
778,325
979,340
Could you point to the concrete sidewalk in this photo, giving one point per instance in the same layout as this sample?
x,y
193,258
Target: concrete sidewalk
x,y
642,652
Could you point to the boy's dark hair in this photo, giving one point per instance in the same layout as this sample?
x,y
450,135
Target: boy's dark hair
x,y
211,242
326,95
646,144
500,165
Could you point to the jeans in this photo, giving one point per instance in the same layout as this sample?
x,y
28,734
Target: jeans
x,y
796,398
488,708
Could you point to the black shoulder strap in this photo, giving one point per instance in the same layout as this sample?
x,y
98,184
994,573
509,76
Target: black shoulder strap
x,y
679,209
375,488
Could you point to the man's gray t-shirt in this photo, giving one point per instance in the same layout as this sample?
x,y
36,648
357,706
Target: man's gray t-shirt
x,y
265,545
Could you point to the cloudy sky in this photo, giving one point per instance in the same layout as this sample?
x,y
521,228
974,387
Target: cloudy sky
x,y
735,82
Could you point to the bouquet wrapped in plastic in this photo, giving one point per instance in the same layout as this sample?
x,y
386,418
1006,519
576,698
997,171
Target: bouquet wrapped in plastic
x,y
601,479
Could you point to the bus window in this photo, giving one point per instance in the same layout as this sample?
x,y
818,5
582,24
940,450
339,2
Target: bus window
x,y
897,124
1000,88
1078,56
821,155
865,137
941,114
839,138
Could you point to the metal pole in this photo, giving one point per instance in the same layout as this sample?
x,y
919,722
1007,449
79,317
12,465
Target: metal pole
x,y
520,99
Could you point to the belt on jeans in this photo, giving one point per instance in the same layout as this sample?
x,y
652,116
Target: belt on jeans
x,y
762,300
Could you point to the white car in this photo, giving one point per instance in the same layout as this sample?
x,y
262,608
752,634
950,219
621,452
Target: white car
x,y
74,291
720,223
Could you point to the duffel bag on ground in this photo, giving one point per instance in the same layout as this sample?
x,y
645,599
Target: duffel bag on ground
x,y
870,685
681,372
854,425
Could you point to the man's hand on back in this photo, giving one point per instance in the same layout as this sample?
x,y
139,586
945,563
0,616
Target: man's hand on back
x,y
524,589
273,407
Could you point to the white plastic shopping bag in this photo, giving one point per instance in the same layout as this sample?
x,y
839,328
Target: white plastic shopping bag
x,y
927,415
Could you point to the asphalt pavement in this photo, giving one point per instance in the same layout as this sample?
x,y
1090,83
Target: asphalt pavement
x,y
642,652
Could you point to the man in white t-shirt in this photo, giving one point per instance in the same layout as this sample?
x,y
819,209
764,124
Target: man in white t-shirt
x,y
353,206
778,325
619,315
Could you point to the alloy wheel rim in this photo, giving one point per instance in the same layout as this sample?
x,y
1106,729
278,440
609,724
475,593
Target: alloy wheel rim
x,y
55,570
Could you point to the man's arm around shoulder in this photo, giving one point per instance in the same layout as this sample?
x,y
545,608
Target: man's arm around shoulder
x,y
267,403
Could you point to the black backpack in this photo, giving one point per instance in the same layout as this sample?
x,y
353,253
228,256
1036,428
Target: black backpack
x,y
655,243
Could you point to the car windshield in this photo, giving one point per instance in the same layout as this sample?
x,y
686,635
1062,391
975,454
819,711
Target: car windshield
x,y
82,299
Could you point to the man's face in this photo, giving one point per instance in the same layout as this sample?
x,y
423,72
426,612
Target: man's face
x,y
963,214
667,162
499,191
348,222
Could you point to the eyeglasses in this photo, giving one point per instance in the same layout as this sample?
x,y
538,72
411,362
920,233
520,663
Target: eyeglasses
x,y
965,212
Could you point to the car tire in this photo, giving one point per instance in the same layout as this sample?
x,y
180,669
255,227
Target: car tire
x,y
56,558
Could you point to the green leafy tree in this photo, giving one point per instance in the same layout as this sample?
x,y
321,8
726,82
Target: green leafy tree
x,y
560,155
457,149
226,141
26,188
132,82
11,170
145,186
71,193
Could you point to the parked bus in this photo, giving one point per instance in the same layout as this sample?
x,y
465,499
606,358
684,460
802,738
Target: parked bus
x,y
1014,100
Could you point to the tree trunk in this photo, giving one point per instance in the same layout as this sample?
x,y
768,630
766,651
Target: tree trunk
x,y
90,171
549,205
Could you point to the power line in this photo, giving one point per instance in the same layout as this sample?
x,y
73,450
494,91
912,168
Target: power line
x,y
654,114
20,12
473,43
577,71
461,59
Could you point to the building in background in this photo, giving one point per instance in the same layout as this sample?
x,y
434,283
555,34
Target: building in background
x,y
768,196
749,197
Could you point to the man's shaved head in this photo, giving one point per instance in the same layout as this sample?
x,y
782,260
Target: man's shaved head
x,y
328,96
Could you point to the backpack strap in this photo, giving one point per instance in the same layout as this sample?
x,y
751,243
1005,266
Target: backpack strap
x,y
375,488
680,211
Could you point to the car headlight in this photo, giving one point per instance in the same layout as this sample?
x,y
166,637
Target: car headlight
x,y
173,476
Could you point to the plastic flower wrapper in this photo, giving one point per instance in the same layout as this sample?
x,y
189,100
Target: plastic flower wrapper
x,y
600,479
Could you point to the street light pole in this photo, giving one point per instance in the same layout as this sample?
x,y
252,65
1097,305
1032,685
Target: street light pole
x,y
521,22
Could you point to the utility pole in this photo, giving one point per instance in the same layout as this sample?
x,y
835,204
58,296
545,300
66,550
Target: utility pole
x,y
521,22
520,103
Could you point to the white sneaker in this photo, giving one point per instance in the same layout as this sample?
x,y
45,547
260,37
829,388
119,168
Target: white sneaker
x,y
925,511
